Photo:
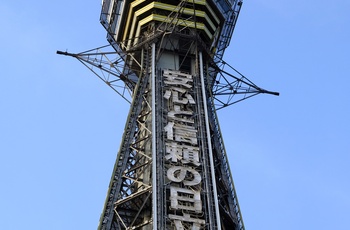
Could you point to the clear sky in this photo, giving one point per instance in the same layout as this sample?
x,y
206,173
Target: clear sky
x,y
60,126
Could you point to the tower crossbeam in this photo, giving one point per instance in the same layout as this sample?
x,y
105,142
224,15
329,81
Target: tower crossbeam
x,y
228,87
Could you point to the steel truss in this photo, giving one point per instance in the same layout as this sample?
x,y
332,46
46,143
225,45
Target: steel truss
x,y
129,200
228,85
109,66
138,194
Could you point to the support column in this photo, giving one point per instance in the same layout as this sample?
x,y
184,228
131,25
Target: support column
x,y
211,160
154,153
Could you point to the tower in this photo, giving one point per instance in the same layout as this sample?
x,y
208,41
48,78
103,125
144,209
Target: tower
x,y
171,170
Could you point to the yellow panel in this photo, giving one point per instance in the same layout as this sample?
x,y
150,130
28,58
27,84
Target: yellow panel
x,y
161,18
187,11
169,8
132,5
204,3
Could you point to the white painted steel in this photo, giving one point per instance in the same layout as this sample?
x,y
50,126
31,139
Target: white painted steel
x,y
211,160
154,153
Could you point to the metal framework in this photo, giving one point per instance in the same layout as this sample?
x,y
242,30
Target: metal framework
x,y
172,170
229,87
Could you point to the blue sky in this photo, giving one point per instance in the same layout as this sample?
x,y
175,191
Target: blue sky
x,y
61,126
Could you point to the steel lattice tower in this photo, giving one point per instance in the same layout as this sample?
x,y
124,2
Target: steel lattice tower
x,y
172,170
